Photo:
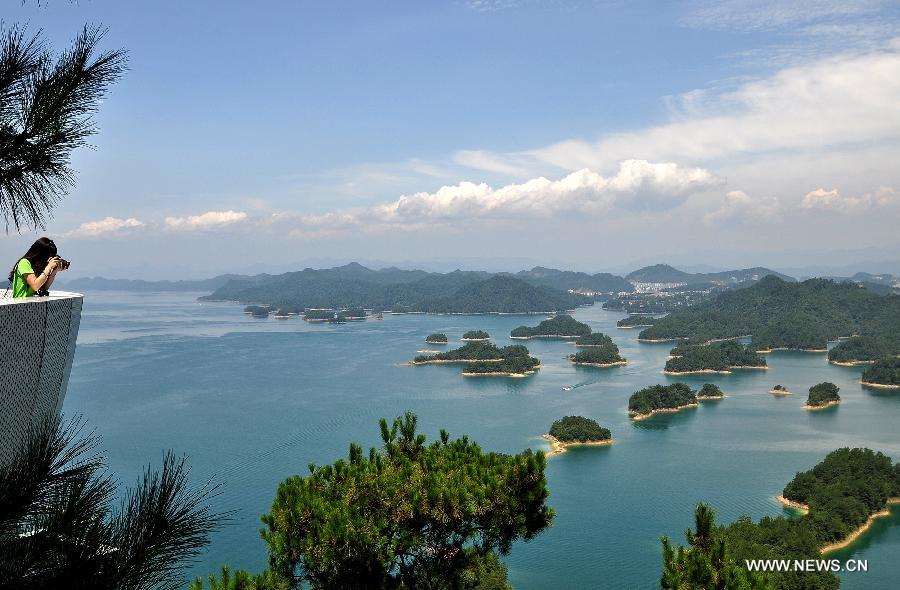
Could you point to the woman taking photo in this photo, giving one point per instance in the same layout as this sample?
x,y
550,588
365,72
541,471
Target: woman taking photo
x,y
35,271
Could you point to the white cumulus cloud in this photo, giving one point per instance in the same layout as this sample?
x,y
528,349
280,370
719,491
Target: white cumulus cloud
x,y
105,227
637,184
833,200
206,221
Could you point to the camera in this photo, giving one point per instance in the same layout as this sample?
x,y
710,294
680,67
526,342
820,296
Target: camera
x,y
63,264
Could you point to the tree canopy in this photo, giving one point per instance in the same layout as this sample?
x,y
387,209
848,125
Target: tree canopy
x,y
408,515
58,527
661,397
781,314
47,103
885,371
578,429
823,393
476,335
560,325
718,356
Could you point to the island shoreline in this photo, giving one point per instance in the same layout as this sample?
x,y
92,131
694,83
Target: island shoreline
x,y
558,447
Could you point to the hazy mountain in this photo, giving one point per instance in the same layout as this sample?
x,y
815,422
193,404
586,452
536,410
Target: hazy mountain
x,y
663,273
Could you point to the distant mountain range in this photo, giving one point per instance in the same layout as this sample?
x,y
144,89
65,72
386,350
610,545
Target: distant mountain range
x,y
663,273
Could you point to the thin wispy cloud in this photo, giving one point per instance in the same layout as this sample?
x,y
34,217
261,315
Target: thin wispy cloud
x,y
206,221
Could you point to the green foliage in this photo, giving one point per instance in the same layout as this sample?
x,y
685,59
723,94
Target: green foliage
x,y
885,371
436,338
578,429
241,580
598,355
718,356
355,286
861,474
707,562
476,335
860,348
636,320
258,310
565,280
791,315
515,365
560,325
59,527
710,390
46,107
822,394
842,492
595,339
658,397
411,514
475,351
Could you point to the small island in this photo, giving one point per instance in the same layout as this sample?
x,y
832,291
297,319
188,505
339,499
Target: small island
x,y
636,321
334,315
606,355
884,373
843,495
476,336
436,338
576,431
717,357
595,339
484,359
822,396
780,390
560,326
861,350
258,311
513,366
661,398
710,391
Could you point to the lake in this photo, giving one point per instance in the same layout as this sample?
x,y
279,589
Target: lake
x,y
251,401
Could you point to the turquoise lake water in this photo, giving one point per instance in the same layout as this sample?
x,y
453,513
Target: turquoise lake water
x,y
252,401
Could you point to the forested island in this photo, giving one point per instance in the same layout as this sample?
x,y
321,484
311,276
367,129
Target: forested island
x,y
710,391
787,315
436,338
840,498
597,355
883,373
661,398
510,366
843,494
780,390
258,311
334,315
576,430
560,326
476,336
860,350
822,396
403,291
594,339
718,357
482,358
636,321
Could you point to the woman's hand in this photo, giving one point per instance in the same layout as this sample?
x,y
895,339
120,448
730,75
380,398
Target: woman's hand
x,y
52,265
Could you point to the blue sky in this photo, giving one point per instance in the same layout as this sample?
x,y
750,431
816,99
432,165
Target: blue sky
x,y
586,134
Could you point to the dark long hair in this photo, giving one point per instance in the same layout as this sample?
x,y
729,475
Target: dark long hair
x,y
40,253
